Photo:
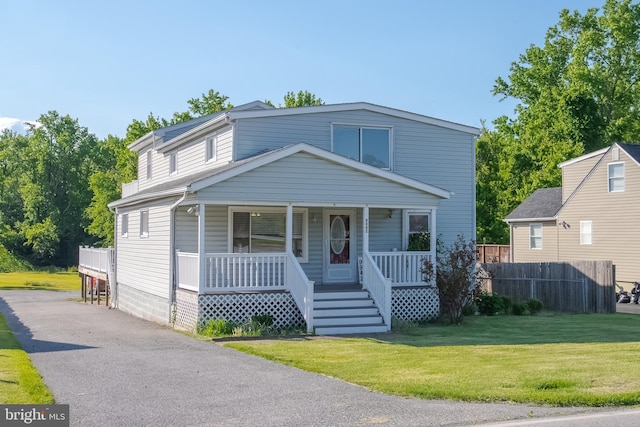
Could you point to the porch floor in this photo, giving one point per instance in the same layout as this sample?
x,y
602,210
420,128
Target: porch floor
x,y
336,287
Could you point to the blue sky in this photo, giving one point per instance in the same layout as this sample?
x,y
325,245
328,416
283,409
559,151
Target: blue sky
x,y
108,62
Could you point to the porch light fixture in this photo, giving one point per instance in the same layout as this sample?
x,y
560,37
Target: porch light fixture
x,y
390,213
193,210
315,218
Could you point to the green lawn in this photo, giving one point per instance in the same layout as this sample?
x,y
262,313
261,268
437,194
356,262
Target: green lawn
x,y
563,360
20,382
65,281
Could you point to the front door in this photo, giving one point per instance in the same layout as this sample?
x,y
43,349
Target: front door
x,y
339,246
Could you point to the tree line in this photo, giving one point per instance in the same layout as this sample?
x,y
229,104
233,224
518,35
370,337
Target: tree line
x,y
57,179
576,93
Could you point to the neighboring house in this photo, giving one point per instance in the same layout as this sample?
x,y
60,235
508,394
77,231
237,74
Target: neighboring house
x,y
595,215
302,213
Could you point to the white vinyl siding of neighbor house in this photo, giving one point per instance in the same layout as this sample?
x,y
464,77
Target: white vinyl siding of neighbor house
x,y
428,153
143,263
191,158
521,238
615,218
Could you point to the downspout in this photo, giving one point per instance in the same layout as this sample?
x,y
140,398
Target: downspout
x,y
172,255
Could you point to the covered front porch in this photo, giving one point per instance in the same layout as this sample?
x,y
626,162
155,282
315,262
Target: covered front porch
x,y
292,261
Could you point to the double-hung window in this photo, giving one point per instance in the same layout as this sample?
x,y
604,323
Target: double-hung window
x,y
124,225
418,236
366,144
535,236
263,230
149,162
586,232
144,223
173,163
616,177
212,148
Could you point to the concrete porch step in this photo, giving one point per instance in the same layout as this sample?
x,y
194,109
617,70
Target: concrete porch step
x,y
334,311
347,320
350,329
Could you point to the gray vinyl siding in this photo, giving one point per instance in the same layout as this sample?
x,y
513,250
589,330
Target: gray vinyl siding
x,y
521,243
431,154
615,221
303,178
191,159
573,174
143,262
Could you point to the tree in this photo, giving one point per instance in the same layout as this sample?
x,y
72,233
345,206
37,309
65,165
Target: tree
x,y
301,99
576,93
455,277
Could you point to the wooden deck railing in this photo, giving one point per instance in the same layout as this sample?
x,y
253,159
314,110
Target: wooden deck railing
x,y
96,259
301,289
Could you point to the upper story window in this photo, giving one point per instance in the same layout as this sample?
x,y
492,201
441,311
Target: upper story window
x,y
144,223
366,144
585,232
535,236
149,161
212,148
173,163
124,225
616,177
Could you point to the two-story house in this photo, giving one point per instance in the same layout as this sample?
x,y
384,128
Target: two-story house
x,y
593,216
301,213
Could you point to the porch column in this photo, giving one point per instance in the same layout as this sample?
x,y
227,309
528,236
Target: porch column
x,y
433,233
201,249
365,229
289,229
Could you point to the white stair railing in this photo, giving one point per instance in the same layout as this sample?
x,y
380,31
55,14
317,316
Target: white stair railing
x,y
301,289
378,286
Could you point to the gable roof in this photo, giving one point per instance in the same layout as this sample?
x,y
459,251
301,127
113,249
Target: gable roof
x,y
632,150
174,131
542,205
195,182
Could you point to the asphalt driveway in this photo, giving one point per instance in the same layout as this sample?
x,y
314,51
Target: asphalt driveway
x,y
117,370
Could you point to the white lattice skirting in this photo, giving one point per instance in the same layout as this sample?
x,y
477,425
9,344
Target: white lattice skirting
x,y
185,315
194,310
418,303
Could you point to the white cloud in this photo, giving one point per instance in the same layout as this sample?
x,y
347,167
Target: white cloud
x,y
17,125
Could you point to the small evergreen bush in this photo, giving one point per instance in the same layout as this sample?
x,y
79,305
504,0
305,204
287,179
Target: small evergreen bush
x,y
534,305
519,309
489,304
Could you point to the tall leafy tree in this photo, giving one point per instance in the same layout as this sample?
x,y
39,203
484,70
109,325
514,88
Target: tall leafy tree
x,y
301,99
575,94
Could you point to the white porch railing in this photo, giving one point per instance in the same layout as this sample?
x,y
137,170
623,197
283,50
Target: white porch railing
x,y
378,286
226,272
96,259
187,271
403,268
244,271
301,289
129,188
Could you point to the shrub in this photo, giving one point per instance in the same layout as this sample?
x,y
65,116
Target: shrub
x,y
519,309
263,319
218,328
506,304
534,305
492,304
455,277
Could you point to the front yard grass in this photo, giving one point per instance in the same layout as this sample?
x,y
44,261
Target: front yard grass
x,y
63,281
20,382
560,360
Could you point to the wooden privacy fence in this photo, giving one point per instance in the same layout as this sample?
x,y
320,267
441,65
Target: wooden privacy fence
x,y
573,287
493,253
